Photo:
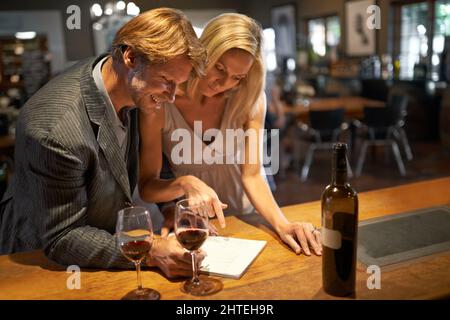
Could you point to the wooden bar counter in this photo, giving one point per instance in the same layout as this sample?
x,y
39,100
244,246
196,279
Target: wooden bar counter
x,y
277,273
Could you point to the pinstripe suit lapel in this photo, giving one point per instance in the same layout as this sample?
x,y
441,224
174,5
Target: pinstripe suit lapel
x,y
108,142
101,117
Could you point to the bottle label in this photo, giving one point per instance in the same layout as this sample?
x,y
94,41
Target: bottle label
x,y
331,238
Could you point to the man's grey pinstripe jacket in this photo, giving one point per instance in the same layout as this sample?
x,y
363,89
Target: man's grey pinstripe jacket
x,y
70,178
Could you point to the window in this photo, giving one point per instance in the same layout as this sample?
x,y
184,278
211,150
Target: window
x,y
418,38
270,57
441,30
317,36
324,34
333,31
413,37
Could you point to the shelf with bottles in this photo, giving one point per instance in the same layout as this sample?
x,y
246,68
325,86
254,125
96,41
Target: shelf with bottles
x,y
24,64
344,69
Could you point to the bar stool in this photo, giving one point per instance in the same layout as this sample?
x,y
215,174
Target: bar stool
x,y
379,127
325,129
398,105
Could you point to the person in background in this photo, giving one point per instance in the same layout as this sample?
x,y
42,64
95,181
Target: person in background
x,y
229,96
278,119
275,117
77,144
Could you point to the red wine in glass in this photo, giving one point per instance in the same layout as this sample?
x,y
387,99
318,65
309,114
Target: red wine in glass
x,y
191,230
134,234
136,250
191,239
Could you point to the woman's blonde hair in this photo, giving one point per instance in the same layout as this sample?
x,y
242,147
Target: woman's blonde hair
x,y
158,35
222,33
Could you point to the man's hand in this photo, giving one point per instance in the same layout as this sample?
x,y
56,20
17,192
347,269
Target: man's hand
x,y
173,260
300,236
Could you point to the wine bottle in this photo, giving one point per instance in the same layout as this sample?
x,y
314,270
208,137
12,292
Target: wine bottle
x,y
339,228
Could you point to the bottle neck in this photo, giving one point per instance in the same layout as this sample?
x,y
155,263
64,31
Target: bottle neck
x,y
339,169
339,178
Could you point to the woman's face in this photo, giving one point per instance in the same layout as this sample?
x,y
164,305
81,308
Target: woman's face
x,y
231,68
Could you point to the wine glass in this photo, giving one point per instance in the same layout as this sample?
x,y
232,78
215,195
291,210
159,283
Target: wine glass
x,y
191,230
135,236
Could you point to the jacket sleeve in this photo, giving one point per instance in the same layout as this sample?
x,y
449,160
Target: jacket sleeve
x,y
61,199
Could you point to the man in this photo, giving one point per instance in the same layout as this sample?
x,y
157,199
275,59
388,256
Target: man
x,y
77,144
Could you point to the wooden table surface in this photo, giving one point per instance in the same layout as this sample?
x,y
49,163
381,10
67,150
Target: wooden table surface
x,y
353,106
277,273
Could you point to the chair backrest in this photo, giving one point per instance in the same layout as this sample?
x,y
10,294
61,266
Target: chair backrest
x,y
398,100
326,120
376,117
397,106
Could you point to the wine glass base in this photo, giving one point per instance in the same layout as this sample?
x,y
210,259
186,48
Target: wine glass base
x,y
206,286
143,294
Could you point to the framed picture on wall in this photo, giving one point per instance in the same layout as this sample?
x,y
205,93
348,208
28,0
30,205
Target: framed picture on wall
x,y
360,40
283,19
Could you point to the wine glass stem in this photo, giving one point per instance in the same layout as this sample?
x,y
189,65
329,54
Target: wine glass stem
x,y
195,279
138,270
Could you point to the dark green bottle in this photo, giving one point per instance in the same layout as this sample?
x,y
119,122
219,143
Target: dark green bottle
x,y
339,228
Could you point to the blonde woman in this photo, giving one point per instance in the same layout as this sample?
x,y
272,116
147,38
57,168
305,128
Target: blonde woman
x,y
229,96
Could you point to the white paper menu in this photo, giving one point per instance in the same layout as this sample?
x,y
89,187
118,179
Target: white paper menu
x,y
229,257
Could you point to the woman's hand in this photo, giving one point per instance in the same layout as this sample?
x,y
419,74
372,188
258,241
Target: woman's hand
x,y
200,192
300,236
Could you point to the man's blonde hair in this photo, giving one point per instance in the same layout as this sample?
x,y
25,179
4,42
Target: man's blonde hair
x,y
158,35
222,33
